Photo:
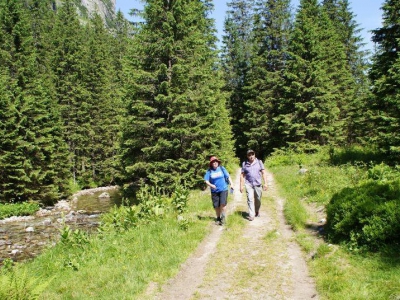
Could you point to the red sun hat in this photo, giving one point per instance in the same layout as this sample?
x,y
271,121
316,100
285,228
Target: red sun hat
x,y
214,158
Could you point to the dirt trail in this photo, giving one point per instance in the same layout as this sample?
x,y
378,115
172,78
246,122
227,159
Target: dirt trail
x,y
260,262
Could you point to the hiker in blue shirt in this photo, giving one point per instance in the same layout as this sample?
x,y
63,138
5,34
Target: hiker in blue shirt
x,y
253,171
217,178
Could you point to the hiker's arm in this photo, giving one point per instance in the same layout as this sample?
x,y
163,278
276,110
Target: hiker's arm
x,y
264,175
241,182
210,185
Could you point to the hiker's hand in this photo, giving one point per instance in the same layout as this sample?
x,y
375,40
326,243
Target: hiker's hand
x,y
265,187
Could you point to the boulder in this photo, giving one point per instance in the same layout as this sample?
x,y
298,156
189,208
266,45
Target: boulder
x,y
104,195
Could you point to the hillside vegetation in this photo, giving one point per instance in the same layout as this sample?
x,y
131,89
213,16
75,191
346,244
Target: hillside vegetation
x,y
93,102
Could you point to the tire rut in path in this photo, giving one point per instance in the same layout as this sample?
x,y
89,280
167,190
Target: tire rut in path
x,y
264,262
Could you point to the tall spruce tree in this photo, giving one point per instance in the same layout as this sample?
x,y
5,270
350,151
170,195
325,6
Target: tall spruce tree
x,y
343,19
10,168
68,64
176,112
385,79
272,30
355,114
123,31
43,17
316,78
235,57
103,103
32,153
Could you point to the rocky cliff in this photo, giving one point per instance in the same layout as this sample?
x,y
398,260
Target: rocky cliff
x,y
86,8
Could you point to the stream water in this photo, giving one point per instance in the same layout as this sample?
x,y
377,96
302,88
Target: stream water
x,y
22,238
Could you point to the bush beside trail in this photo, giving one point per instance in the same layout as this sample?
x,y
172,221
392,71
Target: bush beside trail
x,y
367,216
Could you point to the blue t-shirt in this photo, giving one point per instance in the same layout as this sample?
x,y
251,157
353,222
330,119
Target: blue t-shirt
x,y
218,178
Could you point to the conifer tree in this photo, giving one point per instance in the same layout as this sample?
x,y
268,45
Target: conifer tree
x,y
385,79
103,103
272,30
32,153
68,63
355,113
317,75
9,165
43,15
235,57
176,113
123,32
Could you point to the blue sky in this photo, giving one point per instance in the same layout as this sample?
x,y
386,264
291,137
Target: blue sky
x,y
368,14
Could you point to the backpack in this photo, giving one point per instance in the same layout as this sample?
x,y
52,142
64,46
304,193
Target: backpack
x,y
226,175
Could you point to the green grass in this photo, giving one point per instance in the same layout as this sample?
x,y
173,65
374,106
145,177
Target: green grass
x,y
339,273
343,275
118,265
18,209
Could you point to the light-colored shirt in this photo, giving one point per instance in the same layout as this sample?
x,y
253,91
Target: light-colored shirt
x,y
252,172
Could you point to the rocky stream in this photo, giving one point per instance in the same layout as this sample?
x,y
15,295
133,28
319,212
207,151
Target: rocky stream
x,y
25,237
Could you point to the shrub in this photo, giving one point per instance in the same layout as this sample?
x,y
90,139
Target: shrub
x,y
180,199
153,204
383,172
18,209
355,154
74,238
120,218
289,157
367,216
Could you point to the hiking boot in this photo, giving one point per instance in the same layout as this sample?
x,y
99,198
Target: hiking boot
x,y
257,213
251,218
218,221
223,219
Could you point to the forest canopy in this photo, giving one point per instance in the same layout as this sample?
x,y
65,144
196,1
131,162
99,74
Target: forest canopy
x,y
86,102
